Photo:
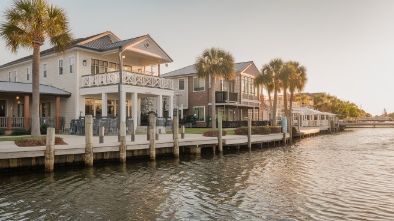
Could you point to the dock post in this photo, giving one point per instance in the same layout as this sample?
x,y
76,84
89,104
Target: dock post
x,y
151,132
220,131
101,134
249,133
183,132
176,138
50,150
122,146
88,140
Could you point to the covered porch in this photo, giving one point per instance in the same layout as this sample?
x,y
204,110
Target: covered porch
x,y
15,105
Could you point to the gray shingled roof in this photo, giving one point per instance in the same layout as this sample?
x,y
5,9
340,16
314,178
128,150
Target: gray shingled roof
x,y
188,70
16,87
105,43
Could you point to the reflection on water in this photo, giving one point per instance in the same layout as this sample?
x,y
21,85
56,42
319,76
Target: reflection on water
x,y
349,176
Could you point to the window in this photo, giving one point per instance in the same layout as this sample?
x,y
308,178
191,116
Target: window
x,y
199,113
2,112
16,76
9,76
95,66
199,84
113,66
28,73
60,67
181,84
103,66
44,70
71,63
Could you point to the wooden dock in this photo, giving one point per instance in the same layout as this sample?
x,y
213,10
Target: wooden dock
x,y
13,157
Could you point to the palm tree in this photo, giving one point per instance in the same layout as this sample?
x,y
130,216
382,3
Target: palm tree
x,y
274,67
284,77
28,23
215,63
297,82
266,79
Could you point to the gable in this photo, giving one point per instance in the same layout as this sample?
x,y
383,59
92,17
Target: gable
x,y
148,47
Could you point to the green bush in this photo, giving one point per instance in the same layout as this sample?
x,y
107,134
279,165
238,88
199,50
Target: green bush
x,y
261,130
275,129
2,132
20,131
43,129
213,133
241,131
255,130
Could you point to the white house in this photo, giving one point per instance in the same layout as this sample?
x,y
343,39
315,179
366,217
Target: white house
x,y
85,80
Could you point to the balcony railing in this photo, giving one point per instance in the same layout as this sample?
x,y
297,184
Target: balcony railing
x,y
250,97
127,78
226,97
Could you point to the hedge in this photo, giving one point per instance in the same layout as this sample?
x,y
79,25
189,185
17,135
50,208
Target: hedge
x,y
213,133
258,130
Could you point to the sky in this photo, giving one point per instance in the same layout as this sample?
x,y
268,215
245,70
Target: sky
x,y
346,46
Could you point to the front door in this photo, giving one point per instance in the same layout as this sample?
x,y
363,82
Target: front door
x,y
46,109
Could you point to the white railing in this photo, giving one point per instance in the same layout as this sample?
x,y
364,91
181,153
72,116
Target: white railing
x,y
18,122
3,122
127,78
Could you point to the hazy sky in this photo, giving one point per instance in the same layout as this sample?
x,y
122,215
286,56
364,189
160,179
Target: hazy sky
x,y
346,46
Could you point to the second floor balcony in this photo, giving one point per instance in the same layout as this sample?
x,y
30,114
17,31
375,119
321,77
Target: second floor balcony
x,y
128,78
225,97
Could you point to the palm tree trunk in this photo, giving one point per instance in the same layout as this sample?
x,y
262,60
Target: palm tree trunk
x,y
35,116
270,100
291,117
285,106
213,102
274,108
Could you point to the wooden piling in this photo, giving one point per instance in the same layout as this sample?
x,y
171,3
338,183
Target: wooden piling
x,y
122,146
88,140
101,134
176,137
249,133
50,150
152,143
220,131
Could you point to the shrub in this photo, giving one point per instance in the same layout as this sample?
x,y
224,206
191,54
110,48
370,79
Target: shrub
x,y
275,129
43,128
261,130
241,131
255,130
2,132
37,141
213,133
20,131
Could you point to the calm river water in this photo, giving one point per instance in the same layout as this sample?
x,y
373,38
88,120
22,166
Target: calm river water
x,y
347,176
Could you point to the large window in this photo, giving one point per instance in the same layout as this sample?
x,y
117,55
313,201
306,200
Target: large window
x,y
103,66
71,64
60,67
28,73
198,84
95,66
44,70
16,76
9,76
181,84
199,113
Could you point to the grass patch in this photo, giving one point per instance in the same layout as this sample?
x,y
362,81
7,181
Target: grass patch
x,y
10,138
37,141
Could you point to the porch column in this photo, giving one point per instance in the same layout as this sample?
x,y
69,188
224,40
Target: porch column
x,y
122,107
27,112
139,111
104,105
134,112
57,114
159,106
171,107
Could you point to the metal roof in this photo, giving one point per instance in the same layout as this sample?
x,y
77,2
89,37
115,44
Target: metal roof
x,y
191,69
308,111
100,42
16,87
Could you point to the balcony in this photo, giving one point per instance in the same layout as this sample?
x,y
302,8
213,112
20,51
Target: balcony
x,y
128,78
250,97
226,97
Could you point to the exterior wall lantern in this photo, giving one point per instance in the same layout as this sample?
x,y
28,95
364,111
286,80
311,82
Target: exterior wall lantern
x,y
84,62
